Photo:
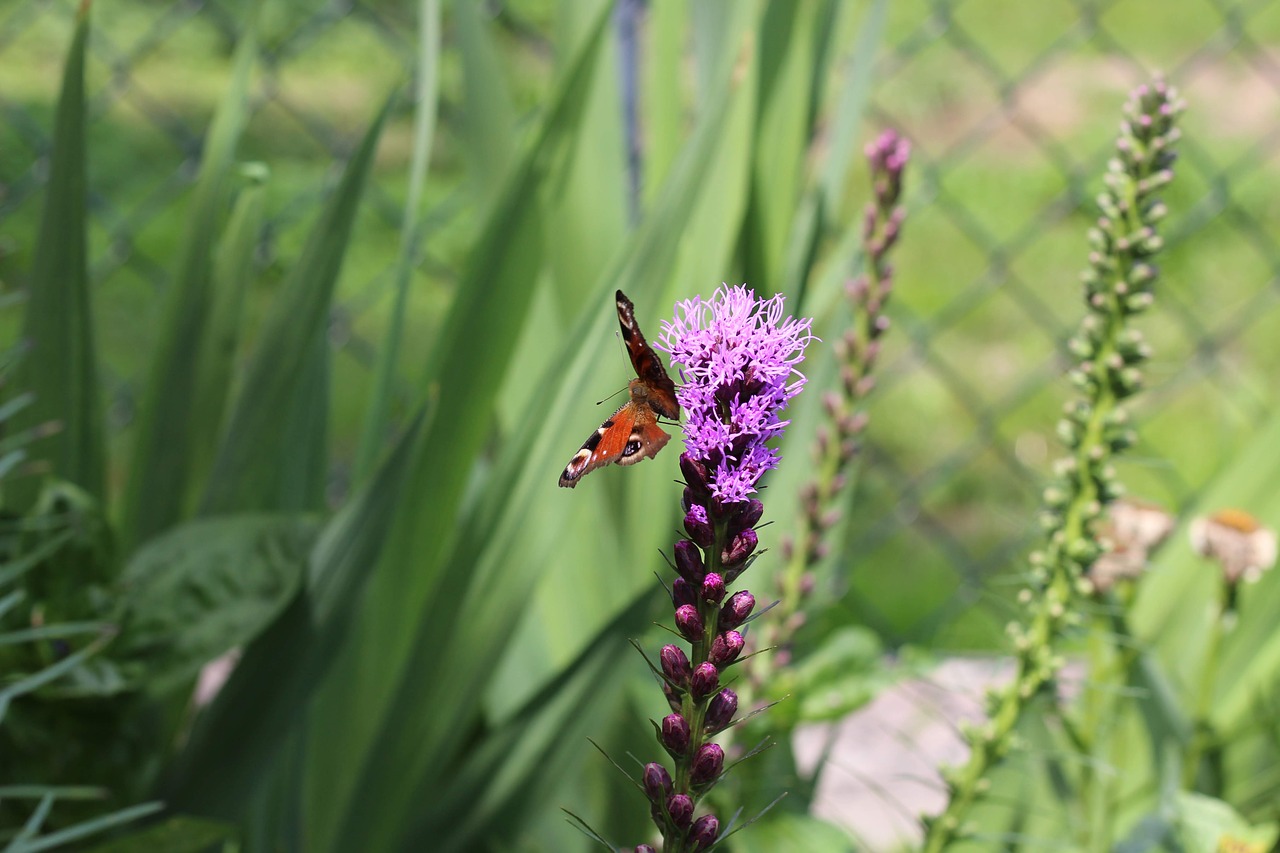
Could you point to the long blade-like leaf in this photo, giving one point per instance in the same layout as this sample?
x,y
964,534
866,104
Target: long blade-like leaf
x,y
424,123
176,397
256,466
61,366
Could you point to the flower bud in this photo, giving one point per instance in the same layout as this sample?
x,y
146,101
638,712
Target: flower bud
x,y
680,810
675,735
707,764
698,528
689,561
704,681
675,666
704,832
695,473
657,782
750,515
741,547
689,622
725,648
713,588
645,848
721,710
683,592
736,609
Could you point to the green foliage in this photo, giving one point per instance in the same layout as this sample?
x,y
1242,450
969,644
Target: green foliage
x,y
422,665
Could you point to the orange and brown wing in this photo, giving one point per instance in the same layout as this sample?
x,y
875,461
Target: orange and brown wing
x,y
630,435
648,367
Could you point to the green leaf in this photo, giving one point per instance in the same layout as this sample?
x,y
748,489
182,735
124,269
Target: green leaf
x,y
176,401
61,367
426,100
176,835
232,271
260,464
206,587
787,831
489,121
1205,823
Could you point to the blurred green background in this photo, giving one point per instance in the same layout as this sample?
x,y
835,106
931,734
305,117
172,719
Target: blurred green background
x,y
1011,109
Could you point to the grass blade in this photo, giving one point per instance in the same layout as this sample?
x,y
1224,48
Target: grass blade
x,y
426,100
61,366
288,369
175,396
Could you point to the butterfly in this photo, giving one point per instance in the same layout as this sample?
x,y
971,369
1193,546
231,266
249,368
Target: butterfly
x,y
631,433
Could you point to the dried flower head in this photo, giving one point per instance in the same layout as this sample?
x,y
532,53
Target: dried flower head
x,y
1237,542
1130,531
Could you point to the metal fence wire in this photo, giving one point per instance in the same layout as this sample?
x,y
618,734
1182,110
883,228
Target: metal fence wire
x,y
1011,107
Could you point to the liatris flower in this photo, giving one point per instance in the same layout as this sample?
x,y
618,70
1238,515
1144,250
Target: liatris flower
x,y
737,357
1117,286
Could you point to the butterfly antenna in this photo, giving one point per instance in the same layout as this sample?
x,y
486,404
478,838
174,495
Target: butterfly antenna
x,y
610,397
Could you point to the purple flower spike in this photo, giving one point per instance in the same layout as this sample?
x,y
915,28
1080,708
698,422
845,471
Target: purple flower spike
x,y
698,527
738,357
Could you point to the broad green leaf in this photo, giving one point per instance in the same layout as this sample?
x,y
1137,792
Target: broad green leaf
x,y
1205,823
61,366
662,92
176,402
235,744
426,98
260,464
206,587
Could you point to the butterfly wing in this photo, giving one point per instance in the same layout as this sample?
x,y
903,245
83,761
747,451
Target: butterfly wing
x,y
648,367
632,434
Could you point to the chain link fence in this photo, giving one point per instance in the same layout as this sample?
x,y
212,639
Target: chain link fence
x,y
1011,107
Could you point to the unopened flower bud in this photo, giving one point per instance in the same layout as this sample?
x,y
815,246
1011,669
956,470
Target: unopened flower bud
x,y
680,809
704,681
741,547
675,734
675,666
689,622
695,473
721,710
704,832
697,526
737,609
682,592
713,588
657,782
689,561
644,848
707,764
750,515
725,648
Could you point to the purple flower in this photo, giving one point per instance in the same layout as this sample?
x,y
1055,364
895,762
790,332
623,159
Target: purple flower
x,y
738,358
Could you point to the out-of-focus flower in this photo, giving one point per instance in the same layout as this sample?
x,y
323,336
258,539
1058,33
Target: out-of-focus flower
x,y
1237,542
1130,531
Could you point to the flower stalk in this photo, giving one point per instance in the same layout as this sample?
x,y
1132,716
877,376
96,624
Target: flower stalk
x,y
838,442
1095,428
738,360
